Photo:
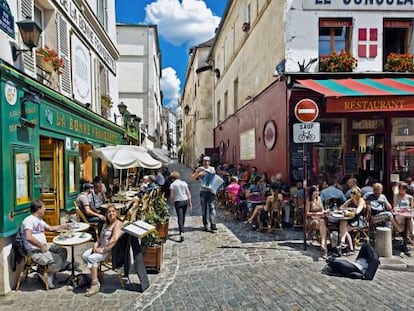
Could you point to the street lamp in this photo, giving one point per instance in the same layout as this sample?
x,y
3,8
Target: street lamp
x,y
122,108
30,32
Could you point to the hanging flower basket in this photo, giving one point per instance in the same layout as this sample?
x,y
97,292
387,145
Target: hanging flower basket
x,y
337,62
399,63
48,59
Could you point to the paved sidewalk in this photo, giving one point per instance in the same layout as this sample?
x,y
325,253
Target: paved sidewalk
x,y
234,268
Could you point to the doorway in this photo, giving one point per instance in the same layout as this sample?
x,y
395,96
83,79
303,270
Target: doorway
x,y
370,151
51,167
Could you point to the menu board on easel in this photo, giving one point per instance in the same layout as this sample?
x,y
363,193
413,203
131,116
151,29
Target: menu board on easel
x,y
351,162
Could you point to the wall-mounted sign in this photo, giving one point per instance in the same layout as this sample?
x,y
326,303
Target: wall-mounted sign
x,y
81,71
369,104
248,145
359,5
6,19
83,26
10,92
269,134
376,124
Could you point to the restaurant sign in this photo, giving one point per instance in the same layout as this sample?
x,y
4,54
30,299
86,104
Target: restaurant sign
x,y
359,5
68,123
6,19
369,104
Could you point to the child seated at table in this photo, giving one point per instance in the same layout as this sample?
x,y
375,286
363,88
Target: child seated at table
x,y
100,250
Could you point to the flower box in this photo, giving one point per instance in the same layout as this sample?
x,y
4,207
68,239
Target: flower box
x,y
49,60
40,61
153,257
162,229
337,62
399,63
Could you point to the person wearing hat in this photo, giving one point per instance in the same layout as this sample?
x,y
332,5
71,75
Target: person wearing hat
x,y
90,212
206,196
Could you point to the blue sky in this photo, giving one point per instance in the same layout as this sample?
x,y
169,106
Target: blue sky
x,y
181,24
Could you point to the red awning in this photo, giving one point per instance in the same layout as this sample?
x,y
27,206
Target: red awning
x,y
365,95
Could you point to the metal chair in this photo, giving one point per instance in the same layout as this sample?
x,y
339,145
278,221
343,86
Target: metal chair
x,y
29,267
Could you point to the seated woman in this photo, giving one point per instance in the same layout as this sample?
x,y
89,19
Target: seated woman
x,y
345,226
233,191
274,195
315,210
405,201
100,250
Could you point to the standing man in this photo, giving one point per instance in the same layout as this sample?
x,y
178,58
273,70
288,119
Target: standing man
x,y
206,196
34,242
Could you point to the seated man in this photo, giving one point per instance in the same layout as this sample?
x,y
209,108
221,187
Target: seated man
x,y
91,213
254,190
332,193
381,208
34,242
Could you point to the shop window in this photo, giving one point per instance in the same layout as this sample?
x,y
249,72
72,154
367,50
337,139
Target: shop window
x,y
328,154
397,33
334,36
23,177
402,140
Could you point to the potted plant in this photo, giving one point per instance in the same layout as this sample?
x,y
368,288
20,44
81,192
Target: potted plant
x,y
399,62
337,62
48,59
163,216
152,251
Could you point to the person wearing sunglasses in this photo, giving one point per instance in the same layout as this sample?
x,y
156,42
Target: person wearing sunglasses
x,y
345,226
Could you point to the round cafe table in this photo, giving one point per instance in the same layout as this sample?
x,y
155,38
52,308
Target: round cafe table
x,y
78,238
79,226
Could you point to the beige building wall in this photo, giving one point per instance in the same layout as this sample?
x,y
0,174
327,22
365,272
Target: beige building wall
x,y
246,55
197,95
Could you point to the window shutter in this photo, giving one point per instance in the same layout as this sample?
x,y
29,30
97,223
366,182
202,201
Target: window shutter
x,y
27,10
65,77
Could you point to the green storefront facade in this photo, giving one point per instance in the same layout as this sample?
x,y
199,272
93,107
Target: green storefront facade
x,y
42,136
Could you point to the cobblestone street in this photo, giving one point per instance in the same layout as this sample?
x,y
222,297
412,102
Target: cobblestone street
x,y
234,268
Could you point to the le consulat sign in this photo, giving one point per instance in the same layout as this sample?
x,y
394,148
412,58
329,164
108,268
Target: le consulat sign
x,y
359,5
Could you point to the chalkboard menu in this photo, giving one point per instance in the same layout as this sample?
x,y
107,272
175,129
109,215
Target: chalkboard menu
x,y
351,163
296,162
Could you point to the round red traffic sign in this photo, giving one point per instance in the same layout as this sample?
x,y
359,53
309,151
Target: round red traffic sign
x,y
306,110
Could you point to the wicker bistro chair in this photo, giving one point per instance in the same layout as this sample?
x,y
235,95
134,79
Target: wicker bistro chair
x,y
106,265
232,207
363,233
273,216
298,207
29,267
93,227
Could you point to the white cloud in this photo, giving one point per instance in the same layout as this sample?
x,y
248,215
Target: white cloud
x,y
182,22
170,86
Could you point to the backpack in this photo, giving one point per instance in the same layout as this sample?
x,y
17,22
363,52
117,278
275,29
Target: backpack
x,y
17,253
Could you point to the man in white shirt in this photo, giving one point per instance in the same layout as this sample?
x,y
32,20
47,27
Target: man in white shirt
x,y
206,196
34,242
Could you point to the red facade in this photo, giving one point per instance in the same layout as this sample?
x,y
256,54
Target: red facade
x,y
271,104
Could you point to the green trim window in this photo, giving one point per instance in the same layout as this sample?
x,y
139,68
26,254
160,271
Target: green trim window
x,y
72,179
23,176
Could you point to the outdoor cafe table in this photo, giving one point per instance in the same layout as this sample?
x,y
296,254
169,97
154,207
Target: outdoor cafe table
x,y
257,200
336,217
78,238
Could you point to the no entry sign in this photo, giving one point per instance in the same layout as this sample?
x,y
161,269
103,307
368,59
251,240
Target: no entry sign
x,y
306,110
